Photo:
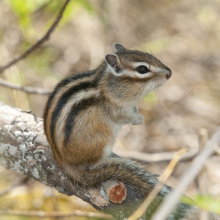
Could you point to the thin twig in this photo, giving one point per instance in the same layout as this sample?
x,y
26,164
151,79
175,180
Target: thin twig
x,y
18,183
202,178
56,214
141,210
40,42
27,89
171,201
155,157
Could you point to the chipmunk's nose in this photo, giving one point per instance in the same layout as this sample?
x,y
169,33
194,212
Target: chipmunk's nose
x,y
168,74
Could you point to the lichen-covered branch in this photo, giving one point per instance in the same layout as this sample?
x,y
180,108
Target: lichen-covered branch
x,y
24,149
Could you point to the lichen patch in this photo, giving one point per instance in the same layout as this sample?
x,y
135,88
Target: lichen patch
x,y
35,173
12,150
17,167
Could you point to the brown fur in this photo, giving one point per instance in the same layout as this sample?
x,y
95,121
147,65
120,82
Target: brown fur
x,y
91,139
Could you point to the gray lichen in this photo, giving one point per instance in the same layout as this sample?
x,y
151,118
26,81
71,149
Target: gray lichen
x,y
12,150
17,167
35,173
39,155
4,149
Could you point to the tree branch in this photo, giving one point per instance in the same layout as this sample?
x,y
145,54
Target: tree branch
x,y
40,42
155,157
24,149
27,89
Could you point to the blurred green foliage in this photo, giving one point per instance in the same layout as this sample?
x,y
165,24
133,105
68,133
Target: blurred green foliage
x,y
157,45
24,9
42,66
205,202
151,99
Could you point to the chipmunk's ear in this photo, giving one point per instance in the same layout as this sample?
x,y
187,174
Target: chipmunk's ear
x,y
118,47
113,62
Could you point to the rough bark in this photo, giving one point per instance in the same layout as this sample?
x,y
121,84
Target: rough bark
x,y
24,149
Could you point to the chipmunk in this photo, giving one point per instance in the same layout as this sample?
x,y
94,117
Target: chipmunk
x,y
85,112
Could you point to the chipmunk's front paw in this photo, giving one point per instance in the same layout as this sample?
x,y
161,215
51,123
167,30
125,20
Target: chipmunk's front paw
x,y
138,119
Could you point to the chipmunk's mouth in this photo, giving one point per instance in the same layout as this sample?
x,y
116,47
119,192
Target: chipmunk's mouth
x,y
160,82
153,84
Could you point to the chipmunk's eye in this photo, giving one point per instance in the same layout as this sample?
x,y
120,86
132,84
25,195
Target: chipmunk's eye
x,y
142,69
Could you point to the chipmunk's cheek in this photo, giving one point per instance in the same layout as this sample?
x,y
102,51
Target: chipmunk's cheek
x,y
149,86
149,75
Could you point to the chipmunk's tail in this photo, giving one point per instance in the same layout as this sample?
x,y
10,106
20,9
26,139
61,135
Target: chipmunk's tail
x,y
119,169
132,175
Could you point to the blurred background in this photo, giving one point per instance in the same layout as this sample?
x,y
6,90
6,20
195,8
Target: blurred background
x,y
184,35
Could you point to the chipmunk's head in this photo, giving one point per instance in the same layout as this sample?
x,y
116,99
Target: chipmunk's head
x,y
137,67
